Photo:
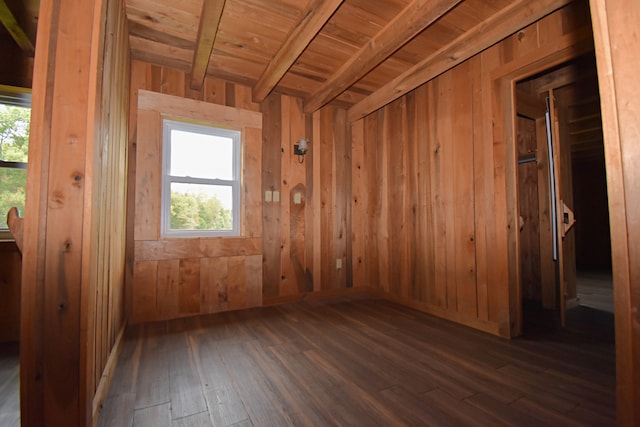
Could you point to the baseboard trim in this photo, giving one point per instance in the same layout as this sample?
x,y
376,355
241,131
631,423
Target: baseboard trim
x,y
107,375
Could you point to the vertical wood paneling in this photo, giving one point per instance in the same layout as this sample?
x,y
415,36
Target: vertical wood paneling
x,y
424,286
437,154
10,265
325,185
271,164
411,200
74,266
189,286
441,153
316,205
359,201
237,286
482,168
464,235
251,167
144,290
213,284
382,206
394,119
287,276
528,211
371,188
148,176
167,296
342,193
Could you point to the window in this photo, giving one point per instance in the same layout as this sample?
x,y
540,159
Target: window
x,y
201,180
15,118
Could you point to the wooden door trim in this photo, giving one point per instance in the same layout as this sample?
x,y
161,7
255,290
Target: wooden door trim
x,y
617,80
504,112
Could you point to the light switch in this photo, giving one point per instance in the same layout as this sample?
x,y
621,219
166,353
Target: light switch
x,y
267,196
297,198
276,197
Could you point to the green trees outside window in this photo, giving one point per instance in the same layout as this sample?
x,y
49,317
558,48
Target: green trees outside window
x,y
14,147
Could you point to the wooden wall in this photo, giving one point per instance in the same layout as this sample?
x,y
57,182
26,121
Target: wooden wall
x,y
182,276
430,185
106,319
72,309
302,245
307,244
10,279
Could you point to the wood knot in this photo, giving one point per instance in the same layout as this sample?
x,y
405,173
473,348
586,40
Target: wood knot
x,y
56,201
77,178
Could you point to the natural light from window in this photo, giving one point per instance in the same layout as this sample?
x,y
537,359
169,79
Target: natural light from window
x,y
14,147
201,180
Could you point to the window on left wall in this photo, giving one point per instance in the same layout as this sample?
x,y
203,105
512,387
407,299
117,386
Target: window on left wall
x,y
201,180
15,119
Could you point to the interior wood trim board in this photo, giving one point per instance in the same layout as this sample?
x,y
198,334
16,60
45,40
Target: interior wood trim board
x,y
107,375
322,294
492,328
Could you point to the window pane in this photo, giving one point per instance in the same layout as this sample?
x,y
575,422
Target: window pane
x,y
200,207
13,185
14,133
201,156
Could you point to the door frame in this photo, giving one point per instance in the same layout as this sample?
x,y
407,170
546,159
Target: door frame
x,y
505,129
613,23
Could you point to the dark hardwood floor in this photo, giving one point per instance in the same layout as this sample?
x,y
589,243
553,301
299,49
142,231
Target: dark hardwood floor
x,y
355,363
595,289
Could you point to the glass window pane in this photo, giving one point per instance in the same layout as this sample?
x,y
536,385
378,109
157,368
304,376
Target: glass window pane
x,y
13,185
201,156
201,207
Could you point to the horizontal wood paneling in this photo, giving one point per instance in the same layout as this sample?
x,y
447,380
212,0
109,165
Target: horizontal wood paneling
x,y
430,185
177,277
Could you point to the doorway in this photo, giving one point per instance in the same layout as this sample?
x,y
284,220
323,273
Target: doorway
x,y
565,267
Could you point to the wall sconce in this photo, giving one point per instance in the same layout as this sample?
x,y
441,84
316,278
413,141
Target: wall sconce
x,y
301,148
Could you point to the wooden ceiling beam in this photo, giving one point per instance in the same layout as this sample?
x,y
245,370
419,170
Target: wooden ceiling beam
x,y
502,24
309,25
207,31
414,18
16,31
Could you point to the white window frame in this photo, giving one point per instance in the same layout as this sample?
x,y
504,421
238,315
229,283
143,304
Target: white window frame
x,y
209,129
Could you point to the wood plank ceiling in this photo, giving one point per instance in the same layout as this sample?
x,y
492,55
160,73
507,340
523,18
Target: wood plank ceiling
x,y
357,53
360,54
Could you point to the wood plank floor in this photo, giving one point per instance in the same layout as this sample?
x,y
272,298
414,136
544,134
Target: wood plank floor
x,y
9,385
359,362
595,290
